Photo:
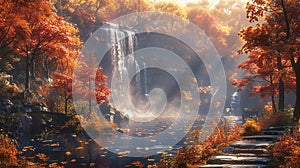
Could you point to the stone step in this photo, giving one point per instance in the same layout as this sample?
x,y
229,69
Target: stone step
x,y
236,166
262,137
251,144
257,152
249,155
279,128
225,159
261,152
273,132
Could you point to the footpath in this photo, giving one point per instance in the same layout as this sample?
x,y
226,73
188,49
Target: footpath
x,y
251,151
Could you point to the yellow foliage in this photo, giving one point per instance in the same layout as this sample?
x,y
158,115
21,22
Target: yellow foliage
x,y
250,127
6,89
171,8
287,151
200,152
8,152
42,157
269,118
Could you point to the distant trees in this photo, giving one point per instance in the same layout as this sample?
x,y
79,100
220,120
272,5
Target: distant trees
x,y
46,35
88,15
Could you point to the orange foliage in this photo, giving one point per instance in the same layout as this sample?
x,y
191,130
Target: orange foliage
x,y
200,152
63,80
9,156
33,30
8,90
136,164
250,127
269,118
287,151
13,27
263,74
171,8
8,152
101,91
210,26
85,76
272,43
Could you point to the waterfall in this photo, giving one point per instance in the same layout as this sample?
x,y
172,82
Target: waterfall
x,y
145,79
124,64
122,51
235,104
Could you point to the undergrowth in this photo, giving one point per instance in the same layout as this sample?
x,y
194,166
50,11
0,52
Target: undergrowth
x,y
286,152
200,152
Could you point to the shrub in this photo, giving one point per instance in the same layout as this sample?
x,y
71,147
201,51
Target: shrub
x,y
287,151
270,118
200,152
6,89
11,157
250,127
8,152
72,125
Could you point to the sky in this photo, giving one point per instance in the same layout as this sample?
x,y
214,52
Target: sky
x,y
184,2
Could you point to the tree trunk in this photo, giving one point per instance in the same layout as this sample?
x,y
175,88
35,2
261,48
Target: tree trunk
x,y
274,109
296,115
46,64
279,61
90,98
66,103
281,95
32,67
281,87
27,73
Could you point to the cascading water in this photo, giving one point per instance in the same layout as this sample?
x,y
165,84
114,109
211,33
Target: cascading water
x,y
125,67
235,104
145,79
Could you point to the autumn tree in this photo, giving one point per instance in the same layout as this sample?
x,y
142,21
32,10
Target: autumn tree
x,y
81,13
49,37
227,18
94,82
209,24
118,8
170,7
231,13
63,81
262,76
13,31
277,39
89,15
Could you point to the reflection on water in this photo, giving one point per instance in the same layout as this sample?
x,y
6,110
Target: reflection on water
x,y
81,151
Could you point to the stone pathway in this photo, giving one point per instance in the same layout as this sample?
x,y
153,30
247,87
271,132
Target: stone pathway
x,y
251,151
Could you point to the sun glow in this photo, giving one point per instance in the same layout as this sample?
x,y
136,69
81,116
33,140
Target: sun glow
x,y
184,2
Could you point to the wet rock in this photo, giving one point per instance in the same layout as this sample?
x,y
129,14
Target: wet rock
x,y
251,144
236,166
262,137
225,159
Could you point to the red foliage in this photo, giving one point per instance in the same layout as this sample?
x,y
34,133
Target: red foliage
x,y
287,150
274,45
62,82
101,88
263,75
200,152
